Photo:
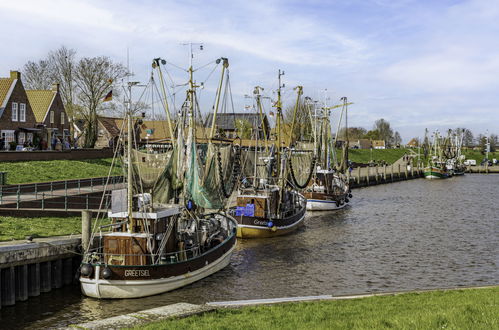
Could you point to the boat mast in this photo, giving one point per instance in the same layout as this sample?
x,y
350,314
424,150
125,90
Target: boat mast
x,y
225,65
156,63
279,114
131,225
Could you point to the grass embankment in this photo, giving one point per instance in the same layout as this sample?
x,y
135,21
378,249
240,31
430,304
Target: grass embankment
x,y
13,228
53,170
456,309
364,156
478,156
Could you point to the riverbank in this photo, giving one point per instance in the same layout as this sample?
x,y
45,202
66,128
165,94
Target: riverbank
x,y
454,309
51,170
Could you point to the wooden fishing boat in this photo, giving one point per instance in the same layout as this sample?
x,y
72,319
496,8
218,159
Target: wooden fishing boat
x,y
329,189
266,205
161,237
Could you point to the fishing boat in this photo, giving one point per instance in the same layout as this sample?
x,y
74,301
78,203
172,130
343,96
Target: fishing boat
x,y
161,236
329,189
266,205
437,162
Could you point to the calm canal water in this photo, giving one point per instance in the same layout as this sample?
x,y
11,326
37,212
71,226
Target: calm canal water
x,y
409,235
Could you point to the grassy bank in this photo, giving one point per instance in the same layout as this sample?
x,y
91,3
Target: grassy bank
x,y
364,155
41,171
13,228
18,228
478,156
456,309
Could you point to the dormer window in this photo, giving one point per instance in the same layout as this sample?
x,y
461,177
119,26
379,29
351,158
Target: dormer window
x,y
22,112
14,111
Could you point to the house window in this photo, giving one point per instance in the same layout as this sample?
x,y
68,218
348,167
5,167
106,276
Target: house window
x,y
22,112
8,136
14,111
29,137
51,117
62,118
21,137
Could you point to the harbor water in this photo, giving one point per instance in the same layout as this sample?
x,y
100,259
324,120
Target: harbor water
x,y
408,235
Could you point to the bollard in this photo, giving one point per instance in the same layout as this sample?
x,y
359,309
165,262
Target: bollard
x,y
21,282
43,201
86,229
56,273
45,276
8,287
34,280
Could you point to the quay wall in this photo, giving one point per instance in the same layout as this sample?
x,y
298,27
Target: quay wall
x,y
32,268
369,176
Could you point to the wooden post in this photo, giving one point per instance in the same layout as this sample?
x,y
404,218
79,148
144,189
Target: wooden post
x,y
384,172
358,176
392,172
86,228
377,174
399,172
368,175
8,286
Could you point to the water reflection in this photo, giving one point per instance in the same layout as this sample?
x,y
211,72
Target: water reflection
x,y
402,236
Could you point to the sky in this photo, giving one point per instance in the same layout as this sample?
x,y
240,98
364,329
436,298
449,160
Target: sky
x,y
418,64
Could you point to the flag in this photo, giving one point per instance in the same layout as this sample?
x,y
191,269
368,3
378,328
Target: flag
x,y
108,97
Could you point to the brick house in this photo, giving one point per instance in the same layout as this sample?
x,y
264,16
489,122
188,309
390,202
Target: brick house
x,y
17,120
49,112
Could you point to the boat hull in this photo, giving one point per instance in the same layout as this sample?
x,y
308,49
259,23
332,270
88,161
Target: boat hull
x,y
250,231
323,205
115,289
434,173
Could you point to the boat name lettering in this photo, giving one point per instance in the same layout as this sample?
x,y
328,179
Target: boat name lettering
x,y
135,273
259,222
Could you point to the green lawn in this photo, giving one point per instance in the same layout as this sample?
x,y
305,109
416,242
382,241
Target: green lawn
x,y
364,155
12,228
18,228
456,309
478,156
42,171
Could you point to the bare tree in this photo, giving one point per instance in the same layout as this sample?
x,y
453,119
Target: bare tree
x,y
397,140
385,131
37,75
94,78
63,62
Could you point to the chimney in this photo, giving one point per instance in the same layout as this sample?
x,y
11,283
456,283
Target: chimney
x,y
15,75
55,87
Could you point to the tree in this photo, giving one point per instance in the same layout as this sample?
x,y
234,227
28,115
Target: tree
x,y
354,133
57,67
94,77
373,135
63,62
243,128
37,75
385,131
467,137
397,140
494,139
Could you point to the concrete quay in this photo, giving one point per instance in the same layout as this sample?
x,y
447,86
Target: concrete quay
x,y
29,268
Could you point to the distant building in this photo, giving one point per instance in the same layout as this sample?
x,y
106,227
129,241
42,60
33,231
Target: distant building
x,y
413,143
49,112
108,131
360,144
227,123
378,144
17,120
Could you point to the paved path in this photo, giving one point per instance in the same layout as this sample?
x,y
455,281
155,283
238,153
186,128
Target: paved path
x,y
31,196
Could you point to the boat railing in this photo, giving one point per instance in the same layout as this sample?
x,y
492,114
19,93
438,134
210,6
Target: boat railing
x,y
162,258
